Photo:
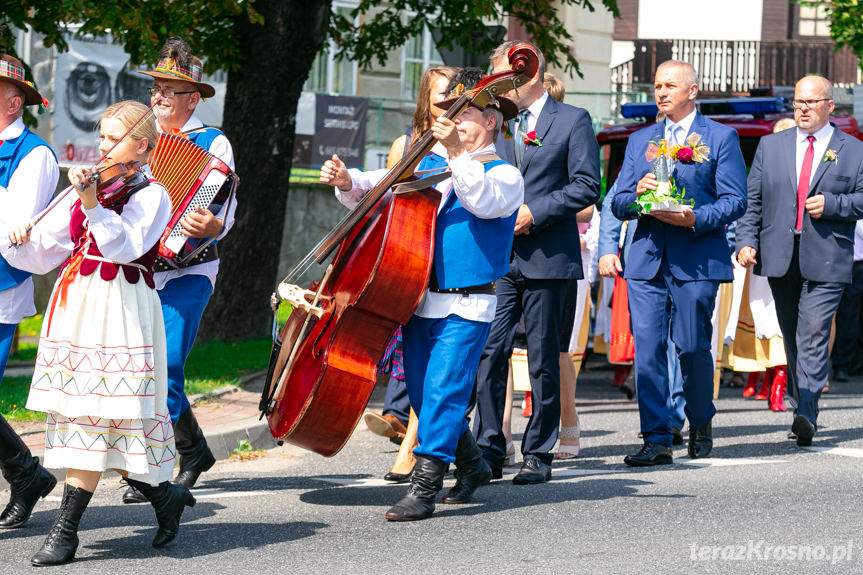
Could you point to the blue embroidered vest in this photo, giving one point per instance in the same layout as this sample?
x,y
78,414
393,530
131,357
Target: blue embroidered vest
x,y
468,250
204,137
11,154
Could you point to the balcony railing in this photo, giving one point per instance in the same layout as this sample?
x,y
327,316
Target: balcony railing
x,y
736,67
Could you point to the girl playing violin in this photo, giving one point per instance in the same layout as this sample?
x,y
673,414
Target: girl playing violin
x,y
101,374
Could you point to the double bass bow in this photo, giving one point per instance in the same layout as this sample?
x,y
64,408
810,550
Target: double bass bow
x,y
323,364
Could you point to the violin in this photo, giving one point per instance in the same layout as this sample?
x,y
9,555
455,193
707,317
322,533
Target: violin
x,y
104,177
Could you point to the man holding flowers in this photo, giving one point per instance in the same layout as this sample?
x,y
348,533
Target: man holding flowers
x,y
686,180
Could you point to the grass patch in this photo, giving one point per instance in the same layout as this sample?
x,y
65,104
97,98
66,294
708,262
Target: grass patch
x,y
218,363
13,397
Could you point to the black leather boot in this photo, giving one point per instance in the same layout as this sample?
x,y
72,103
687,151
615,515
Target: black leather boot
x,y
471,470
427,480
62,541
195,454
169,500
28,481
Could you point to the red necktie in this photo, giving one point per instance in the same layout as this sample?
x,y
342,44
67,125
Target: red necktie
x,y
803,182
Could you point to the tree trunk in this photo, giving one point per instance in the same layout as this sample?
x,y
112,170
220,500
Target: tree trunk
x,y
259,120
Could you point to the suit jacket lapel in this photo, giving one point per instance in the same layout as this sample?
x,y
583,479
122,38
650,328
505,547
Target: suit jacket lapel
x,y
790,157
543,123
699,127
837,140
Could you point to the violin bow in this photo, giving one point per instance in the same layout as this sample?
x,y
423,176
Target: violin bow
x,y
59,197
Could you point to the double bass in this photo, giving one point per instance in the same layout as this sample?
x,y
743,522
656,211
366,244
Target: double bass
x,y
324,361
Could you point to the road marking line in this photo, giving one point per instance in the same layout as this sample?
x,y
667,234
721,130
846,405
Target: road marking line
x,y
719,462
844,451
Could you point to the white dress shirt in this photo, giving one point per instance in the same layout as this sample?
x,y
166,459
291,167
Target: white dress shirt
x,y
121,238
685,125
858,241
221,148
534,111
822,138
496,193
30,189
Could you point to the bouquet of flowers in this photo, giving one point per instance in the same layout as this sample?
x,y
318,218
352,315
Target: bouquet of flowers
x,y
666,196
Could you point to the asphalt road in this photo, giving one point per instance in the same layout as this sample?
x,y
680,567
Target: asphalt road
x,y
759,505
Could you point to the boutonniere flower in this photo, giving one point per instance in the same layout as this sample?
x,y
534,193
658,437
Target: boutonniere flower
x,y
530,138
694,151
831,156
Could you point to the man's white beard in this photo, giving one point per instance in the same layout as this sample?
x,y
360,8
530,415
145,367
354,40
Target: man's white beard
x,y
162,114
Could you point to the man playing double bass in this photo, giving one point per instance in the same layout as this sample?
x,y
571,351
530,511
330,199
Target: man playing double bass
x,y
185,291
444,338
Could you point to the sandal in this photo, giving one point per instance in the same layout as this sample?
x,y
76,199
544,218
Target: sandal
x,y
510,455
567,450
736,380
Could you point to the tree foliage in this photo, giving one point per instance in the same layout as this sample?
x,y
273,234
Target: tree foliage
x,y
846,23
381,26
267,47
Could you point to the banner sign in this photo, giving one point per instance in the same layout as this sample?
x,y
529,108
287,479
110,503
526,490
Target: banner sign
x,y
339,128
93,74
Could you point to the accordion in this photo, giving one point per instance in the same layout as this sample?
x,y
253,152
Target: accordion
x,y
194,178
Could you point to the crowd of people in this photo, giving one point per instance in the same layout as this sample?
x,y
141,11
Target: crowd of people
x,y
747,273
711,283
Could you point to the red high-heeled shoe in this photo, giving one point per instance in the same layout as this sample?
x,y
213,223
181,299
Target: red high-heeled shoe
x,y
751,384
621,372
777,389
764,392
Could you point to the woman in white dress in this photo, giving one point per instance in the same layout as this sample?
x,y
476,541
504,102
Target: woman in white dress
x,y
101,371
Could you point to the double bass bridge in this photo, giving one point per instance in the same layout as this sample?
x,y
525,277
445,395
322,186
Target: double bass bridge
x,y
300,298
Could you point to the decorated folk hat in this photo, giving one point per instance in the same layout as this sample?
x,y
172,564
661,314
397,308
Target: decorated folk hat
x,y
12,71
189,71
467,79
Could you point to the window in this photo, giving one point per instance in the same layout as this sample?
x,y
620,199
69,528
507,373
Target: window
x,y
329,75
419,53
814,21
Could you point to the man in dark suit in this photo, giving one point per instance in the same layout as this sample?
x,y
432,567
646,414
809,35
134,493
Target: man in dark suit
x,y
554,146
803,241
677,260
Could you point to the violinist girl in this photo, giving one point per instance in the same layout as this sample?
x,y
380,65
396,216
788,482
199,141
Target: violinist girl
x,y
101,374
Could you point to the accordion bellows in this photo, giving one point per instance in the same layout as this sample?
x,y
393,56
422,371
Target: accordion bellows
x,y
194,178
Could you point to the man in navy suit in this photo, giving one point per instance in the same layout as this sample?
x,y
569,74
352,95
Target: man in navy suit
x,y
554,146
677,261
805,195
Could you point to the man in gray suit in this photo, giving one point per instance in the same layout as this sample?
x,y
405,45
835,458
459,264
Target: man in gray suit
x,y
805,195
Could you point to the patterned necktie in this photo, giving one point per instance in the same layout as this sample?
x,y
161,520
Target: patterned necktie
x,y
803,182
673,131
521,134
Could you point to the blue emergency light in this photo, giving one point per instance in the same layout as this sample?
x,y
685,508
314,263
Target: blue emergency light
x,y
731,106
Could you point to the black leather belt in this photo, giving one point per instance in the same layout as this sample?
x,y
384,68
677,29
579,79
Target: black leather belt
x,y
210,254
484,289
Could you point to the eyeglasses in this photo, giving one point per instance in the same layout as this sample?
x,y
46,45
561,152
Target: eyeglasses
x,y
809,103
167,92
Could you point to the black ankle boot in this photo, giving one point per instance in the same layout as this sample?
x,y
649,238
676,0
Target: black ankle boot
x,y
169,500
427,480
62,541
471,470
195,454
27,480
